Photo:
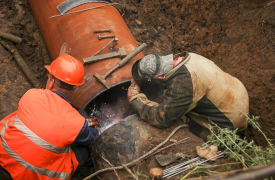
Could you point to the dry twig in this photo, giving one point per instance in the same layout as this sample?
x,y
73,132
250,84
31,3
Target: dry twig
x,y
111,166
10,37
171,25
130,172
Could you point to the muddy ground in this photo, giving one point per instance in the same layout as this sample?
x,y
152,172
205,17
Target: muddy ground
x,y
237,35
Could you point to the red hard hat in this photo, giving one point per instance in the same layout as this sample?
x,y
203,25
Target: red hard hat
x,y
67,69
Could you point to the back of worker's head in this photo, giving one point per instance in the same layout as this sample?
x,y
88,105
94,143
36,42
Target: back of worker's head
x,y
146,70
152,66
67,72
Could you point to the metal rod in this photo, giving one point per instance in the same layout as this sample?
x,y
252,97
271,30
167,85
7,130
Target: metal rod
x,y
83,10
178,168
107,36
184,163
180,165
115,39
198,162
171,174
102,30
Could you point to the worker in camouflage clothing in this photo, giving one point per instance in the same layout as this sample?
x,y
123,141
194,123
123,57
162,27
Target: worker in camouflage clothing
x,y
196,88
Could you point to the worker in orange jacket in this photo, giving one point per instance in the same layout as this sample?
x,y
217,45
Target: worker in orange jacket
x,y
47,138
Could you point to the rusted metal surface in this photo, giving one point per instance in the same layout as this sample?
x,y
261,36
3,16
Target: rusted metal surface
x,y
74,34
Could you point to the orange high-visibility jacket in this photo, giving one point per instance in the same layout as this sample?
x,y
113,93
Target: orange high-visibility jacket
x,y
36,139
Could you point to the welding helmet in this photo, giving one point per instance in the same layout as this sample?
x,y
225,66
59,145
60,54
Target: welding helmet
x,y
67,69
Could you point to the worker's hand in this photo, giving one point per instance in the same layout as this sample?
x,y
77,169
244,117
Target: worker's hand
x,y
93,121
133,90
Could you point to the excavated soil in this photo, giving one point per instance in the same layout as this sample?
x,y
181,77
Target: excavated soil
x,y
237,35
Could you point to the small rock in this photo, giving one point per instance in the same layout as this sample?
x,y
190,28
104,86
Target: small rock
x,y
156,172
138,22
207,152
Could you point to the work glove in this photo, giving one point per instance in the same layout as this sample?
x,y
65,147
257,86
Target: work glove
x,y
133,90
93,121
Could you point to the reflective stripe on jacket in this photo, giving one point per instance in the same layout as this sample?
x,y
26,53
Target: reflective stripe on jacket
x,y
36,139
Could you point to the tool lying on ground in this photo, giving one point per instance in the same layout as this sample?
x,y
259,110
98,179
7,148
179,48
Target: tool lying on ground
x,y
119,65
93,121
170,172
120,53
102,30
106,36
164,160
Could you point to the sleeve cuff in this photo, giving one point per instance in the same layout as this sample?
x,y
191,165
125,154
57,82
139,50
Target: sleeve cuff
x,y
140,95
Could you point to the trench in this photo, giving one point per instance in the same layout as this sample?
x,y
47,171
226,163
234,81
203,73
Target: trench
x,y
97,107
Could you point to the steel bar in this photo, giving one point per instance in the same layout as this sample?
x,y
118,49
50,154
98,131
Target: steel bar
x,y
106,36
181,168
102,30
83,10
197,162
113,40
171,174
189,167
184,163
180,165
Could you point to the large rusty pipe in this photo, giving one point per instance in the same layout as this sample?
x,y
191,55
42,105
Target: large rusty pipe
x,y
74,34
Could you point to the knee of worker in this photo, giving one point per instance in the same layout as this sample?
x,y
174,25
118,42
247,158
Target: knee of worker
x,y
82,155
194,127
204,134
240,123
198,130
